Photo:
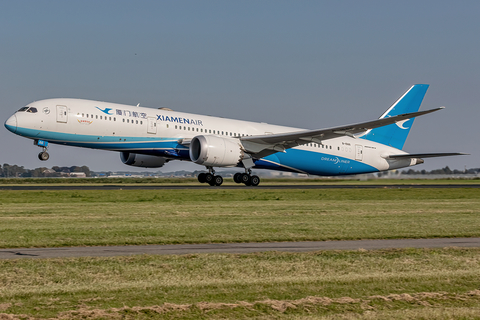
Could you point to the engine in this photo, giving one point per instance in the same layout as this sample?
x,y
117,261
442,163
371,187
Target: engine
x,y
142,160
213,151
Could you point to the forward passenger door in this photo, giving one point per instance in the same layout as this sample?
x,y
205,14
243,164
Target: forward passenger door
x,y
151,125
62,114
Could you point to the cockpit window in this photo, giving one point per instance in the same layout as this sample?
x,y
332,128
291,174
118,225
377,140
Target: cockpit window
x,y
28,109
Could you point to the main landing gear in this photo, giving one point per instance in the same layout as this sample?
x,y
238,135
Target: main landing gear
x,y
214,180
210,178
44,154
247,178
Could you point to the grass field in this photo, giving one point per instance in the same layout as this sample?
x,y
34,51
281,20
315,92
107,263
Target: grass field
x,y
266,285
117,217
381,284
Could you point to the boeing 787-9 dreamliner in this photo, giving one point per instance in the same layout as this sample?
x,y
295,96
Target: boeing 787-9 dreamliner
x,y
147,137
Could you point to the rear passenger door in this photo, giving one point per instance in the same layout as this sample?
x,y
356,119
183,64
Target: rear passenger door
x,y
358,152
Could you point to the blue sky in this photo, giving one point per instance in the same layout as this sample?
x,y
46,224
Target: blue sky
x,y
308,64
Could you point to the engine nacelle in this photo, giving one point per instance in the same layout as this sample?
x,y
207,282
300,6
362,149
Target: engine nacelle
x,y
213,151
142,160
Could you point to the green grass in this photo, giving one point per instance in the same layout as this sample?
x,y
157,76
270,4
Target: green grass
x,y
280,285
118,217
381,284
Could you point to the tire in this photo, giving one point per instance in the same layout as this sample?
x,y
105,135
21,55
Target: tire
x,y
43,156
208,178
202,177
245,178
254,181
213,182
218,180
237,177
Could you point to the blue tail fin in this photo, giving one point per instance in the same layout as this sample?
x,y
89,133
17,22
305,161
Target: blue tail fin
x,y
395,135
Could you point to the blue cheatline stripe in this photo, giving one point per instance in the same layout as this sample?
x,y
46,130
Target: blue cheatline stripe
x,y
315,163
154,145
82,138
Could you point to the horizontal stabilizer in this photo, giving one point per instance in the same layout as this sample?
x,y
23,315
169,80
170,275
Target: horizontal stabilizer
x,y
425,155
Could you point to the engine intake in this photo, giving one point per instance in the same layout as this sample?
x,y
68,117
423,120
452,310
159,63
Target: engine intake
x,y
213,151
142,160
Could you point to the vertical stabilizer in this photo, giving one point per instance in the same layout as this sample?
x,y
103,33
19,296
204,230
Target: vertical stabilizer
x,y
395,135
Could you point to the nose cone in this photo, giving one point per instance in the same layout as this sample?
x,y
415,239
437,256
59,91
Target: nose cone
x,y
11,124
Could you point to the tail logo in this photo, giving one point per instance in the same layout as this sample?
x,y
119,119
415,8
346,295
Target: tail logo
x,y
401,123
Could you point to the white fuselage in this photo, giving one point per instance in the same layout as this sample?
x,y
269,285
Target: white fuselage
x,y
164,133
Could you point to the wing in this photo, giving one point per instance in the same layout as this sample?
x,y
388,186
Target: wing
x,y
425,155
264,145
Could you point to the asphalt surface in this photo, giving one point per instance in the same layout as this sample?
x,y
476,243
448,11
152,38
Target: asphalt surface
x,y
182,249
240,186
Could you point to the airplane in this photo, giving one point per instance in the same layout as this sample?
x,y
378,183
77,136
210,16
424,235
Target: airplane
x,y
147,137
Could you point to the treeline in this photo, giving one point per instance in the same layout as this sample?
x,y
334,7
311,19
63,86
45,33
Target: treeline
x,y
14,171
445,170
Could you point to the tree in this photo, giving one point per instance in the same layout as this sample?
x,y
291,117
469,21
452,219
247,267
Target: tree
x,y
86,170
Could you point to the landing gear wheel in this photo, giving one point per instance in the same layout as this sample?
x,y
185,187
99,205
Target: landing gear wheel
x,y
202,177
43,156
209,178
218,180
237,177
245,178
254,180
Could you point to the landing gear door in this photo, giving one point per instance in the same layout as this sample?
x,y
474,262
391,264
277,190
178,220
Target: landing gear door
x,y
62,114
151,125
358,152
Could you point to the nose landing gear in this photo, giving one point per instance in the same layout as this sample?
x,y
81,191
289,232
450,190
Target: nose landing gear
x,y
43,156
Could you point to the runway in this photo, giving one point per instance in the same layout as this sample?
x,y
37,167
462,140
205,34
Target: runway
x,y
233,187
182,249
